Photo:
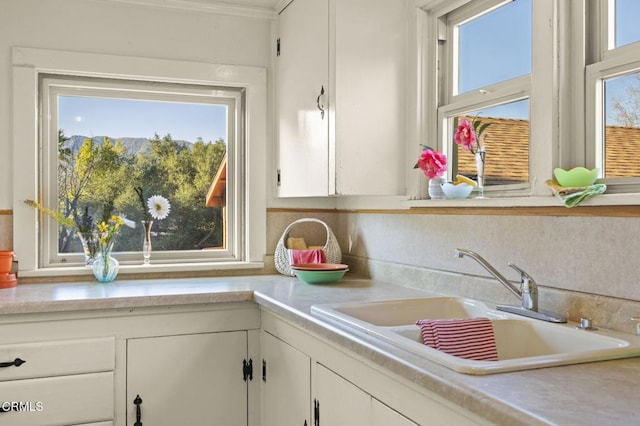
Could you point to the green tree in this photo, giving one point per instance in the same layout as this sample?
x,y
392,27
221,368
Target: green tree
x,y
102,176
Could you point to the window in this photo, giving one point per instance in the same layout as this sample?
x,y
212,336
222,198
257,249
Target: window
x,y
106,137
485,63
613,95
70,86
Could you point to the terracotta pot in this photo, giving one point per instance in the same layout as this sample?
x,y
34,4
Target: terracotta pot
x,y
6,260
8,280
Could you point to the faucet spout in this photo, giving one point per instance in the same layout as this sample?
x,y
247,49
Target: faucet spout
x,y
486,265
527,293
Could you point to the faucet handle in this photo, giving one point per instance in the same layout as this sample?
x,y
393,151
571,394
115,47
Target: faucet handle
x,y
525,279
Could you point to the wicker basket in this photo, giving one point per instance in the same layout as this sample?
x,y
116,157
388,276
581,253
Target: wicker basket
x,y
331,248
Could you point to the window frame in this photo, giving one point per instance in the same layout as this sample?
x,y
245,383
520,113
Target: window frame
x,y
605,61
30,64
455,104
53,86
552,91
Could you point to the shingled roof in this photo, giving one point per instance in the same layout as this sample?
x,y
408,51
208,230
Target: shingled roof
x,y
507,152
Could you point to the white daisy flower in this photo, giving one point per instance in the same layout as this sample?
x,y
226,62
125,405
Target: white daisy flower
x,y
159,207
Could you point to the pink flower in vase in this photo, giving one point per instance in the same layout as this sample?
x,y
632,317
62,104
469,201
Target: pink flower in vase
x,y
432,163
465,135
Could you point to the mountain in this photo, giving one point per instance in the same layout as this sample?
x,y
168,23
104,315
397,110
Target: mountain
x,y
133,145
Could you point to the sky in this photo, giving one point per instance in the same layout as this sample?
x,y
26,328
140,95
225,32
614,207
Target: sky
x,y
487,57
627,31
119,118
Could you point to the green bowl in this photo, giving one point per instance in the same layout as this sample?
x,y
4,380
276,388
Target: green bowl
x,y
576,177
319,277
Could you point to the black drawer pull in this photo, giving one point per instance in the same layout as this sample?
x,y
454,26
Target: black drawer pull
x,y
17,362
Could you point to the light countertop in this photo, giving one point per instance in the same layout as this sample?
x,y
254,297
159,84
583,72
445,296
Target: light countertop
x,y
586,394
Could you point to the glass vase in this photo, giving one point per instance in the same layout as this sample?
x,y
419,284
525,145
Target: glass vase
x,y
90,245
435,188
105,267
146,242
480,157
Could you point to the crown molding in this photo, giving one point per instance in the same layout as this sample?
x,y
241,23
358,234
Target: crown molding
x,y
218,8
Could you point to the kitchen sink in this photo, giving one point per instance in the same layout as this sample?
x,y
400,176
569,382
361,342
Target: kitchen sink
x,y
522,343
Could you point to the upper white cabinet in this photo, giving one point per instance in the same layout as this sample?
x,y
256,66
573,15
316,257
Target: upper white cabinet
x,y
341,76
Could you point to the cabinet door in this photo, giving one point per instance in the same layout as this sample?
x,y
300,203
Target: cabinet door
x,y
286,385
381,415
368,90
340,402
302,74
188,380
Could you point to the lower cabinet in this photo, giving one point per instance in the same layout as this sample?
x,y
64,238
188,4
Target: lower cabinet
x,y
57,382
286,384
297,391
188,380
310,381
340,402
152,366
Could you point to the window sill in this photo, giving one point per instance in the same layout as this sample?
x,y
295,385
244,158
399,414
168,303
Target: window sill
x,y
621,205
141,269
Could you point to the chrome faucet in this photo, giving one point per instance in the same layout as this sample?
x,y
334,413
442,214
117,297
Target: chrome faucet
x,y
527,293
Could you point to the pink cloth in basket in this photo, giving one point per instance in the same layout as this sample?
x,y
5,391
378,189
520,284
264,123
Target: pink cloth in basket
x,y
306,256
469,338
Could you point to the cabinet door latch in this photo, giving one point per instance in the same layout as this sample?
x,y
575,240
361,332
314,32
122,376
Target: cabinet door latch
x,y
247,369
316,412
264,370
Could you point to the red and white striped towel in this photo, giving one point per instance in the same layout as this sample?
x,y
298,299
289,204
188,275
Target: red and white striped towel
x,y
469,338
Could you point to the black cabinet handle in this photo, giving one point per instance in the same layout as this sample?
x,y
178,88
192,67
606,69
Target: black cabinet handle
x,y
137,402
17,362
320,107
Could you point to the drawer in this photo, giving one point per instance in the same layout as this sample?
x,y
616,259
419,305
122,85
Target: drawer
x,y
57,358
64,400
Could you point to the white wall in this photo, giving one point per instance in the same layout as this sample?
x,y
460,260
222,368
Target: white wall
x,y
121,29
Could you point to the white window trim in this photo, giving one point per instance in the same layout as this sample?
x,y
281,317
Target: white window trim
x,y
606,62
29,63
558,105
452,103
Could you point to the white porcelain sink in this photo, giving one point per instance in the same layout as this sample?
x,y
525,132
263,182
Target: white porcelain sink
x,y
522,343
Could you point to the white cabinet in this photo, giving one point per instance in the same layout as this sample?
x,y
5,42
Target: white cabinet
x,y
286,384
381,415
340,402
190,364
341,77
303,84
345,388
57,382
188,379
298,391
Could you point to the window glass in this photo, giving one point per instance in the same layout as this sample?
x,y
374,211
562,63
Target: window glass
x,y
495,46
622,126
106,140
108,147
627,29
506,143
